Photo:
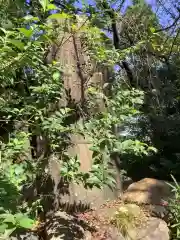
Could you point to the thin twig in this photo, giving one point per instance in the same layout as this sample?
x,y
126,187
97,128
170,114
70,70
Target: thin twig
x,y
170,26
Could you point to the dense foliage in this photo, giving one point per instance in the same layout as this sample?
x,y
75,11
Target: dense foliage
x,y
139,118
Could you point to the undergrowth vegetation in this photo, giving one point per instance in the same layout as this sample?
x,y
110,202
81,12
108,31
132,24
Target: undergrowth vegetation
x,y
127,219
174,209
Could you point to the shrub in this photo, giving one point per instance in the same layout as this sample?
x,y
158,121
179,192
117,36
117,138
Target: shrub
x,y
174,210
126,219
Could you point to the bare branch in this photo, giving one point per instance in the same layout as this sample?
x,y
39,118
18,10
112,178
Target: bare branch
x,y
170,26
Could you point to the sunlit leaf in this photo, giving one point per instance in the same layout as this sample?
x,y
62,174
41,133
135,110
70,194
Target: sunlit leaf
x,y
56,76
26,222
27,32
17,43
44,4
9,219
8,232
51,7
30,18
59,16
3,227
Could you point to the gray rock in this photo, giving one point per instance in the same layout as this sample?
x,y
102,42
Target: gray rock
x,y
62,226
156,229
148,191
114,234
87,236
24,236
158,211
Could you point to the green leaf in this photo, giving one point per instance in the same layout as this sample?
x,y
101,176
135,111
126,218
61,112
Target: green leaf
x,y
31,18
27,17
63,111
93,179
3,30
152,29
8,49
18,216
175,225
26,223
176,183
8,232
152,149
44,4
10,219
94,148
3,227
27,32
105,85
56,75
7,24
19,170
51,7
17,43
59,16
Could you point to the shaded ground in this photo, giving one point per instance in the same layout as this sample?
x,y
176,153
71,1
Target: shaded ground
x,y
79,221
100,220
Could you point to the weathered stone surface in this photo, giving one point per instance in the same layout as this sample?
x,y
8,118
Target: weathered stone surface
x,y
87,236
156,229
25,236
62,226
147,190
136,225
114,234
